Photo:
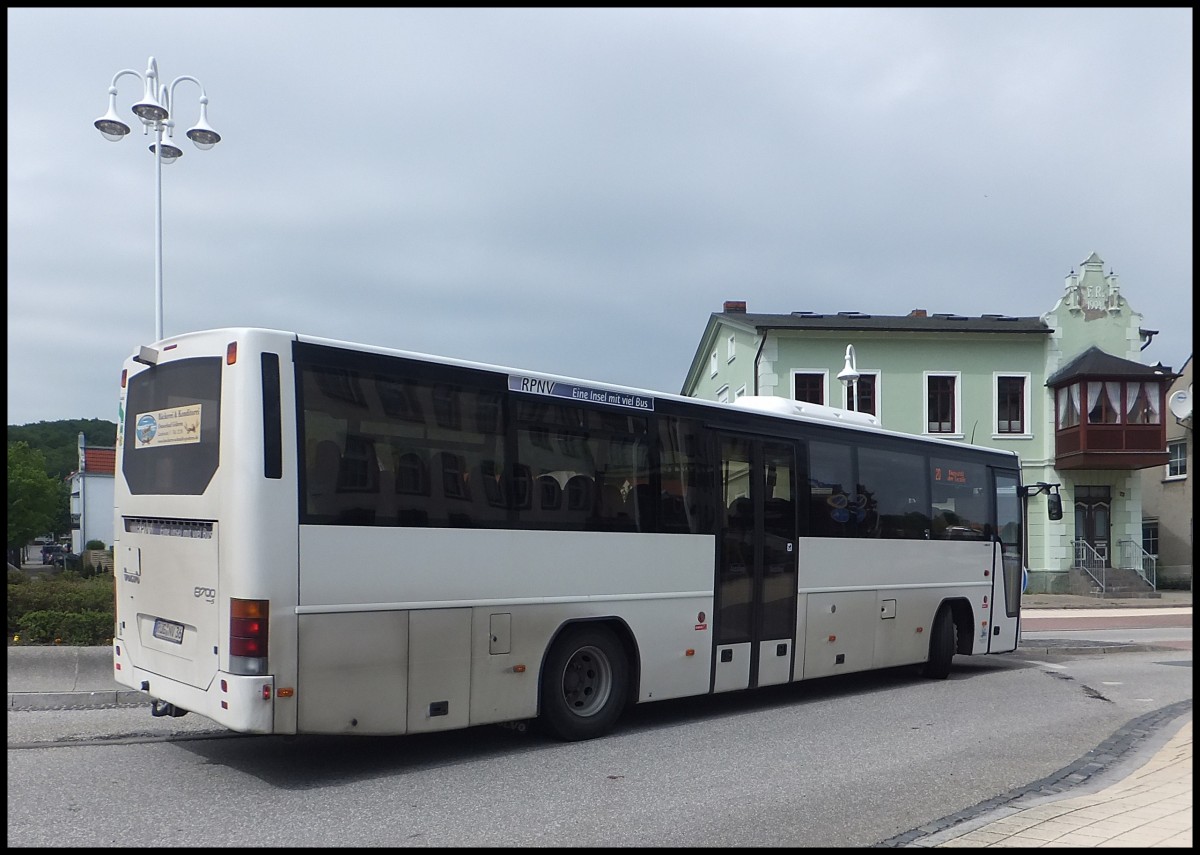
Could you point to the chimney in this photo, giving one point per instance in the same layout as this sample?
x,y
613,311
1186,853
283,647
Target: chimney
x,y
735,306
917,313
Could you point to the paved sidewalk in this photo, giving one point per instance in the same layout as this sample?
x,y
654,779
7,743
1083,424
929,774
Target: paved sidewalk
x,y
1165,599
1092,803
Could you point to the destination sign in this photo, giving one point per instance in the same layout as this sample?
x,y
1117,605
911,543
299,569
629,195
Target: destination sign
x,y
575,392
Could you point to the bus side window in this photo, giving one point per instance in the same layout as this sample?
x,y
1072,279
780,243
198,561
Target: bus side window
x,y
359,469
323,477
522,487
614,512
455,483
550,494
643,496
412,475
412,489
579,493
494,484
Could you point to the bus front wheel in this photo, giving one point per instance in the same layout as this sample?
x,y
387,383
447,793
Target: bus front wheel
x,y
943,641
584,683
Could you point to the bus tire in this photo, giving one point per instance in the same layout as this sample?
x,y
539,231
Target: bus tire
x,y
943,641
584,683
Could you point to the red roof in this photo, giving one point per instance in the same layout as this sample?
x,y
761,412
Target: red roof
x,y
102,461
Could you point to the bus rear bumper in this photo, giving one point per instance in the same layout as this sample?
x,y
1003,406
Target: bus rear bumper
x,y
241,703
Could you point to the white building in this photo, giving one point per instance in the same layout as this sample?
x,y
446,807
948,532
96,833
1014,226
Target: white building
x,y
92,496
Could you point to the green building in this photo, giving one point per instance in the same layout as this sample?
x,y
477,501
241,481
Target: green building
x,y
1064,390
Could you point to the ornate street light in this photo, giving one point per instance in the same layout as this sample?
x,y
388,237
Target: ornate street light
x,y
154,112
849,377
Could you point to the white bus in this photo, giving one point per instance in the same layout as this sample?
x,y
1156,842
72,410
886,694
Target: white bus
x,y
314,536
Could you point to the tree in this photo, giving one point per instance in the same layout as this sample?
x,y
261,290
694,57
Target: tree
x,y
59,441
33,498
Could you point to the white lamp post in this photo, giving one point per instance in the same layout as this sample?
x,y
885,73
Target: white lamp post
x,y
849,377
154,111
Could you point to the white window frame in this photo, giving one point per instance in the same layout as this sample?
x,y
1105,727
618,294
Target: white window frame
x,y
958,425
712,364
862,372
1177,476
730,348
741,391
1152,522
723,394
824,372
1026,403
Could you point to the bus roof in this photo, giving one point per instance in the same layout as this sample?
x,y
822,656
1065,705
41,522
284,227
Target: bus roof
x,y
768,405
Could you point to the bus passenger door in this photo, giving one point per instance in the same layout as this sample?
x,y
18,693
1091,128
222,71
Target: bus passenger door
x,y
755,609
1008,565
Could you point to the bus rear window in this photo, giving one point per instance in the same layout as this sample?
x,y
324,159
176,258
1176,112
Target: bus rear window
x,y
172,428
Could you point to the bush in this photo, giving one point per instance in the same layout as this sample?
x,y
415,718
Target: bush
x,y
52,626
66,607
94,544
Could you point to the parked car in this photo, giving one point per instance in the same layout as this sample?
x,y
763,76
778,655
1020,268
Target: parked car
x,y
67,560
50,551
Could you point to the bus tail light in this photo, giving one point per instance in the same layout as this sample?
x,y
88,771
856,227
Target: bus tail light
x,y
248,625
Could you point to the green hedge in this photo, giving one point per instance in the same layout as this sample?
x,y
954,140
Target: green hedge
x,y
65,609
58,627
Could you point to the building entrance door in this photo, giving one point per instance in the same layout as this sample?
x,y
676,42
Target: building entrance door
x,y
1093,518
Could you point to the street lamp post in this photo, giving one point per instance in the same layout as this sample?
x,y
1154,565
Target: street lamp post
x,y
849,377
154,112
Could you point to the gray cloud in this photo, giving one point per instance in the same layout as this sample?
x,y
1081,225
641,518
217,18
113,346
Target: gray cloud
x,y
576,190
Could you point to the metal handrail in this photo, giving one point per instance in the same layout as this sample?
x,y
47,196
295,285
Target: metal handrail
x,y
1089,559
1135,557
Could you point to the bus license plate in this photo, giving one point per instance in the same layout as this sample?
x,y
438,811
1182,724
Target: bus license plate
x,y
168,630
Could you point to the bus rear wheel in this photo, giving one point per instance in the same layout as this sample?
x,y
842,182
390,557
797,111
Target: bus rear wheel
x,y
585,683
943,642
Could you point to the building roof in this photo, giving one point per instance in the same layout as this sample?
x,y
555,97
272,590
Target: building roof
x,y
1095,363
916,321
99,461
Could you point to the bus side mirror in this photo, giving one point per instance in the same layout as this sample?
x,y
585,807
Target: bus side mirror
x,y
1054,506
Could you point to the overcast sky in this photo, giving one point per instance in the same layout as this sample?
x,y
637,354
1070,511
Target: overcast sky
x,y
576,191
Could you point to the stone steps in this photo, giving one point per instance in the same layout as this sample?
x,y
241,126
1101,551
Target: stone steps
x,y
1118,584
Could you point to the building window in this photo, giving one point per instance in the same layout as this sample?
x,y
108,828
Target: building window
x,y
1068,406
712,364
723,395
941,403
1150,536
809,387
1010,404
741,391
1177,458
867,391
1143,407
1104,403
730,349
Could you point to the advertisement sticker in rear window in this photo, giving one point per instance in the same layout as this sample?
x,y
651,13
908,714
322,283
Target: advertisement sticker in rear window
x,y
176,426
